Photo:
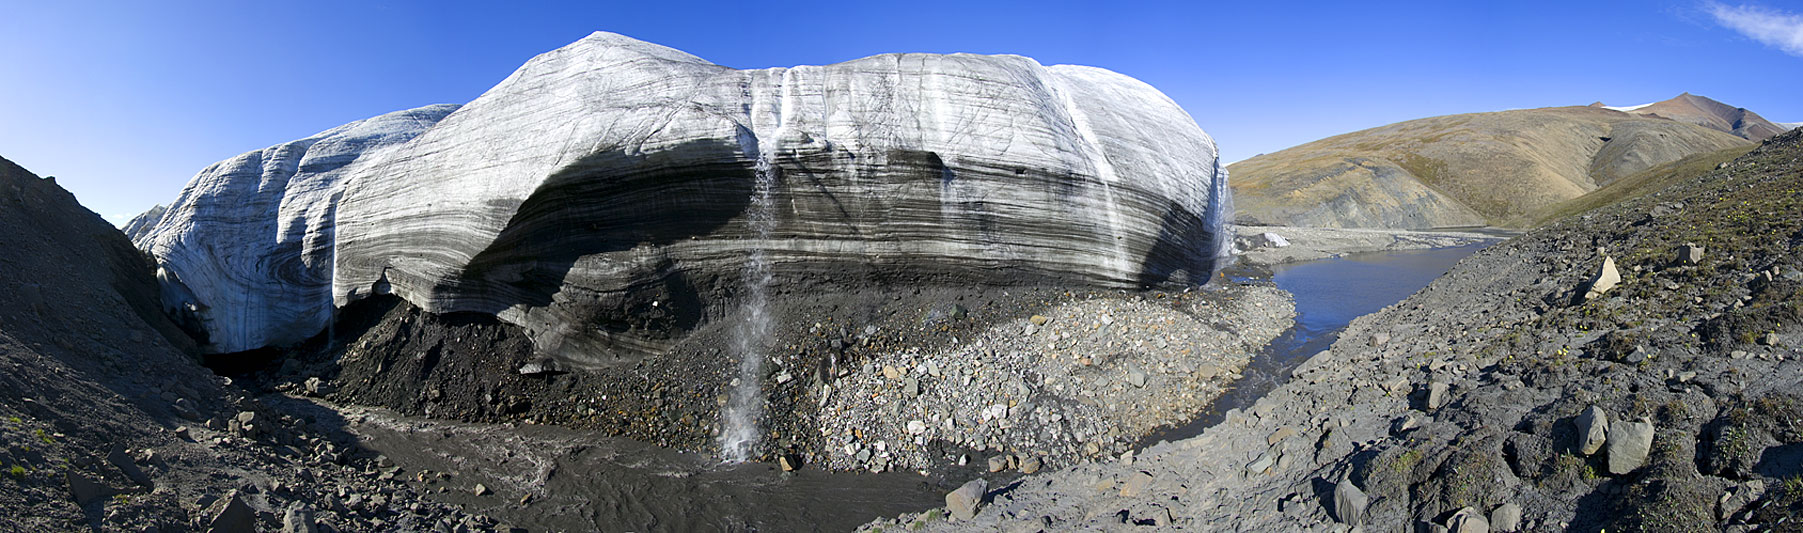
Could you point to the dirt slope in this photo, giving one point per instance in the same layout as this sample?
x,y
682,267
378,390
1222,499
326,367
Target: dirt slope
x,y
95,382
1459,170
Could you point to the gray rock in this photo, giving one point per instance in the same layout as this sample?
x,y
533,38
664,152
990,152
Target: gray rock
x,y
232,515
482,490
120,460
910,387
84,490
1136,376
1605,278
1404,423
299,519
1031,464
1506,518
1593,430
1690,254
1137,483
1628,445
1769,339
1260,465
1737,498
998,463
1438,394
1468,520
967,500
1349,503
1039,320
1380,338
1273,240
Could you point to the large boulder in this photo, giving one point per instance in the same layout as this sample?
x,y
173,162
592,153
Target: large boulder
x,y
612,192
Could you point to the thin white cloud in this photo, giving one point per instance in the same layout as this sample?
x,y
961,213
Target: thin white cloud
x,y
1771,27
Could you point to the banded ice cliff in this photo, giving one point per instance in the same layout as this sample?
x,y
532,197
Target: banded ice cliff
x,y
598,197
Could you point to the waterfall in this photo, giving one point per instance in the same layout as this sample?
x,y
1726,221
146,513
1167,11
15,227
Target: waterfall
x,y
751,338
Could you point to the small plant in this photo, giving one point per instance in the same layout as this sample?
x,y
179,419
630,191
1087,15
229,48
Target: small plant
x,y
45,437
18,471
16,420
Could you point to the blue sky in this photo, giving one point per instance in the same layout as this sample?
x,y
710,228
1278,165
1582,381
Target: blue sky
x,y
124,101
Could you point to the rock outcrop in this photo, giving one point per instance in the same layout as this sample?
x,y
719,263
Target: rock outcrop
x,y
608,195
1460,170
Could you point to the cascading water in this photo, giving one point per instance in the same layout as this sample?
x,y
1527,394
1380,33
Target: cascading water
x,y
740,432
746,405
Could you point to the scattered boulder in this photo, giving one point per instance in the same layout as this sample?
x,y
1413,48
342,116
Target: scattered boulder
x,y
1136,376
1628,445
1274,240
1031,464
299,519
1136,484
998,463
789,462
1039,320
1438,394
964,502
127,466
1349,503
1506,518
1468,520
1380,338
1606,277
1593,430
541,367
84,490
232,516
482,490
1690,254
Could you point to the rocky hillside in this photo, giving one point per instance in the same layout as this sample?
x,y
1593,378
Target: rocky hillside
x,y
612,194
108,422
1634,368
1459,170
1702,111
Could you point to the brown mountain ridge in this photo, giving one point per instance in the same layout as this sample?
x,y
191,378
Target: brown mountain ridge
x,y
1477,169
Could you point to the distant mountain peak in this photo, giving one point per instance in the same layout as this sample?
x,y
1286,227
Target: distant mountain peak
x,y
1709,113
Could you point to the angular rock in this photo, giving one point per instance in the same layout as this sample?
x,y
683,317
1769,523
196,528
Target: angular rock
x,y
1273,240
118,458
1137,483
1039,320
998,463
901,167
1628,445
1690,254
1031,464
1349,503
1593,430
1605,278
1468,520
232,515
84,490
789,463
967,500
1136,376
482,490
1506,518
1438,394
299,519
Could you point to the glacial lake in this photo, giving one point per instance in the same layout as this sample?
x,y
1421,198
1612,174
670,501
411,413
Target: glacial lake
x,y
1329,293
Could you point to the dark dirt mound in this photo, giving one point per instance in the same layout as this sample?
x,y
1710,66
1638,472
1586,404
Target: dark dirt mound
x,y
108,421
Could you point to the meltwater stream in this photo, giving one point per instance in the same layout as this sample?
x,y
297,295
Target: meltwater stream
x,y
1329,293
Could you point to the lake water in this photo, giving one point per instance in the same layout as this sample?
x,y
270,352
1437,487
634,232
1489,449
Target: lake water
x,y
1329,293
